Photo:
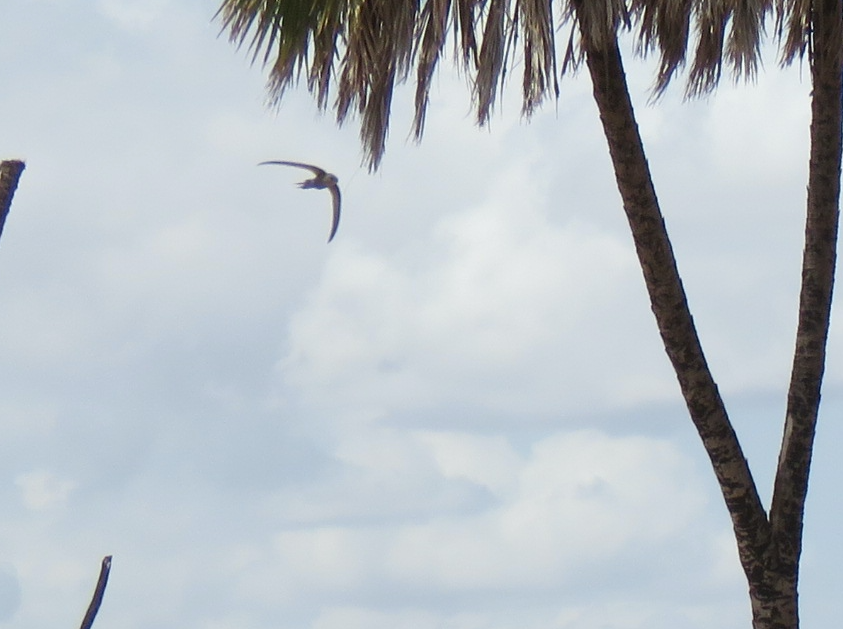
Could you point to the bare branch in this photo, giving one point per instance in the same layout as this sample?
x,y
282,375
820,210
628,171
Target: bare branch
x,y
10,172
96,601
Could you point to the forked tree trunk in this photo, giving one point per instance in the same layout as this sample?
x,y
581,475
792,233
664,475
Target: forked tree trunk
x,y
768,548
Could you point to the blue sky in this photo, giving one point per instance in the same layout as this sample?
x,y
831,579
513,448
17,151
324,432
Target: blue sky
x,y
458,414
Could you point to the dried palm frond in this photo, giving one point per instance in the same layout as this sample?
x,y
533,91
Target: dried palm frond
x,y
497,37
730,31
793,26
366,46
664,26
799,24
378,49
727,31
430,39
594,24
540,71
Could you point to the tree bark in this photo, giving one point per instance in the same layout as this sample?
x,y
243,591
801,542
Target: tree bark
x,y
769,549
10,172
772,585
670,306
818,266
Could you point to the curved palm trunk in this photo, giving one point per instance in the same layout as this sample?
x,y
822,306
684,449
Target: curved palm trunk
x,y
768,548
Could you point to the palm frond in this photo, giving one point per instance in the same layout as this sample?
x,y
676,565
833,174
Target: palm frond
x,y
357,50
594,23
378,50
490,61
793,27
540,71
730,31
430,39
664,27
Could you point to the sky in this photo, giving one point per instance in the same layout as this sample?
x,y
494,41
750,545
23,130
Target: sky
x,y
456,415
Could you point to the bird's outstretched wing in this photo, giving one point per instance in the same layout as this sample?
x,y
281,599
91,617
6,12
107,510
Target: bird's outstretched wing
x,y
335,193
314,169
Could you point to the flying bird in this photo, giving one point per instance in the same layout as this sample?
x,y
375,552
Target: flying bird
x,y
321,181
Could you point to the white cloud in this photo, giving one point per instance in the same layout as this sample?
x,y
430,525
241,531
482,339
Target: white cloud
x,y
619,615
581,497
577,499
133,14
42,489
360,618
10,592
499,291
487,461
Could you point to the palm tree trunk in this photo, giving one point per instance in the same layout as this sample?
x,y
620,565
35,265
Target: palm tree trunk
x,y
753,531
818,265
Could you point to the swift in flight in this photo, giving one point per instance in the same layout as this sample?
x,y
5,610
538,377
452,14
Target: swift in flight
x,y
322,180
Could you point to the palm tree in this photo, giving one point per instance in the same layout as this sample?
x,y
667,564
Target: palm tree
x,y
372,44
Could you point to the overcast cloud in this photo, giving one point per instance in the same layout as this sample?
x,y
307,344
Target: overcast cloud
x,y
456,415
